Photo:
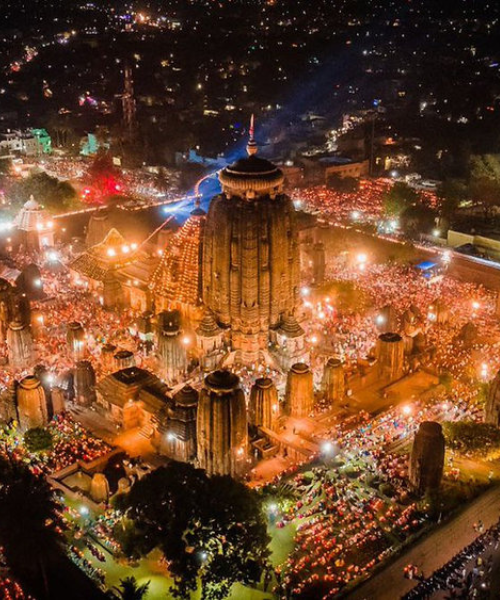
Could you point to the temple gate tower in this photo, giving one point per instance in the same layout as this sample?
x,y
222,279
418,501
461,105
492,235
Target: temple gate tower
x,y
222,434
250,259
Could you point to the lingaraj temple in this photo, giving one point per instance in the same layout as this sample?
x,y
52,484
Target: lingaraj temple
x,y
220,293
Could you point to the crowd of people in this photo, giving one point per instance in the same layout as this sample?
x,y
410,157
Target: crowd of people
x,y
468,574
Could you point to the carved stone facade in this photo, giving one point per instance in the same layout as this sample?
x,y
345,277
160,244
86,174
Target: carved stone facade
x,y
31,403
492,408
263,407
333,383
222,425
299,396
390,356
19,345
250,270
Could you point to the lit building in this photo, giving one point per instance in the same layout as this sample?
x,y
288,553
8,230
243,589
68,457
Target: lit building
x,y
250,276
116,271
35,228
176,283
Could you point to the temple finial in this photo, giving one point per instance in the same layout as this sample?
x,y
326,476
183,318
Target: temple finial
x,y
252,144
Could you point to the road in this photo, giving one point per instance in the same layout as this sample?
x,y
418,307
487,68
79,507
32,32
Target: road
x,y
433,551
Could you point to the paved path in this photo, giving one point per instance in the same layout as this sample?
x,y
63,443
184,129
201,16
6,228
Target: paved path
x,y
433,551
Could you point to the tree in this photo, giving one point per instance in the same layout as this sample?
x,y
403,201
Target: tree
x,y
417,218
129,589
103,176
28,520
38,439
210,529
469,436
485,180
343,185
450,193
54,195
398,199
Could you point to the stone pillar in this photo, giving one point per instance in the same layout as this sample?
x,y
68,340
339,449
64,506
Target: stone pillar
x,y
390,356
222,425
77,341
263,407
19,345
299,396
84,383
319,263
427,458
124,359
31,403
333,383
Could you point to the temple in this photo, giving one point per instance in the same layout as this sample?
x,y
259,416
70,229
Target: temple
x,y
250,265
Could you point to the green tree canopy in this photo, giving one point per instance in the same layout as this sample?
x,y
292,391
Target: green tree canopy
x,y
210,529
38,439
50,192
400,197
450,193
28,518
485,180
469,436
344,185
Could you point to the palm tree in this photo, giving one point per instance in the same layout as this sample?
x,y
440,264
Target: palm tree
x,y
130,590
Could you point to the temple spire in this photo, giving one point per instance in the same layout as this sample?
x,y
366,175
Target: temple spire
x,y
252,144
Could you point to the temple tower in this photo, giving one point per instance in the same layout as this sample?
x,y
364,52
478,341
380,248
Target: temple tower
x,y
427,458
390,356
299,396
222,425
84,382
31,403
19,345
263,407
77,341
171,349
177,429
333,383
124,359
250,265
210,342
